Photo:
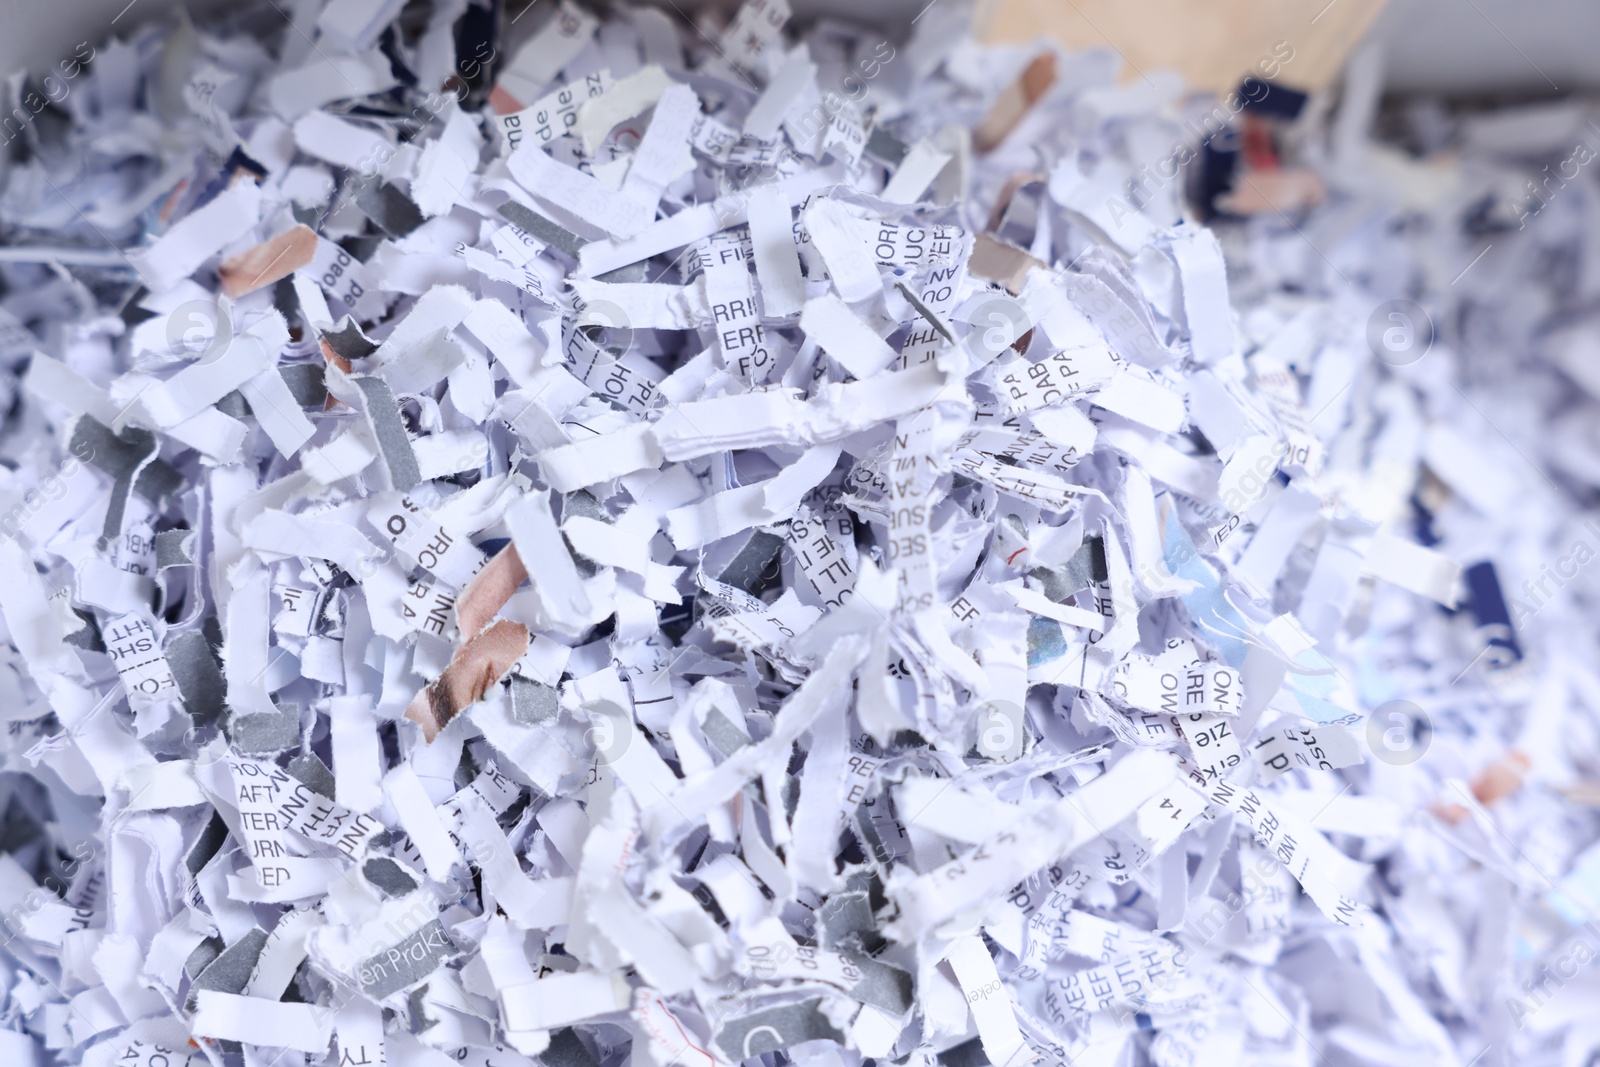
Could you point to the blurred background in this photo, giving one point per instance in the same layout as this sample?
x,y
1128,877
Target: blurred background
x,y
1473,51
1468,50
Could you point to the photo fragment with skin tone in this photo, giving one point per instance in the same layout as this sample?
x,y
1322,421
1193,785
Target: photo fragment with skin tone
x,y
598,537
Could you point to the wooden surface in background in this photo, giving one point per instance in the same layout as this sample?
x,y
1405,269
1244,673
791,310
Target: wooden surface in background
x,y
1213,43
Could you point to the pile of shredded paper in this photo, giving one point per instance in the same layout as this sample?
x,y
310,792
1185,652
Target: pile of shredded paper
x,y
532,537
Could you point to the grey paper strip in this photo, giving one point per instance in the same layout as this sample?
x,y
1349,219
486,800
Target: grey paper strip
x,y
348,342
94,442
533,702
172,549
384,415
305,382
776,1029
310,769
406,962
198,675
265,733
229,972
391,210
550,233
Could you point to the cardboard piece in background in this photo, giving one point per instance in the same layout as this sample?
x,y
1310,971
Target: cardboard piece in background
x,y
1213,43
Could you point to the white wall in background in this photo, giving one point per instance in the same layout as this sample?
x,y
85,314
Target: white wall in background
x,y
1488,46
